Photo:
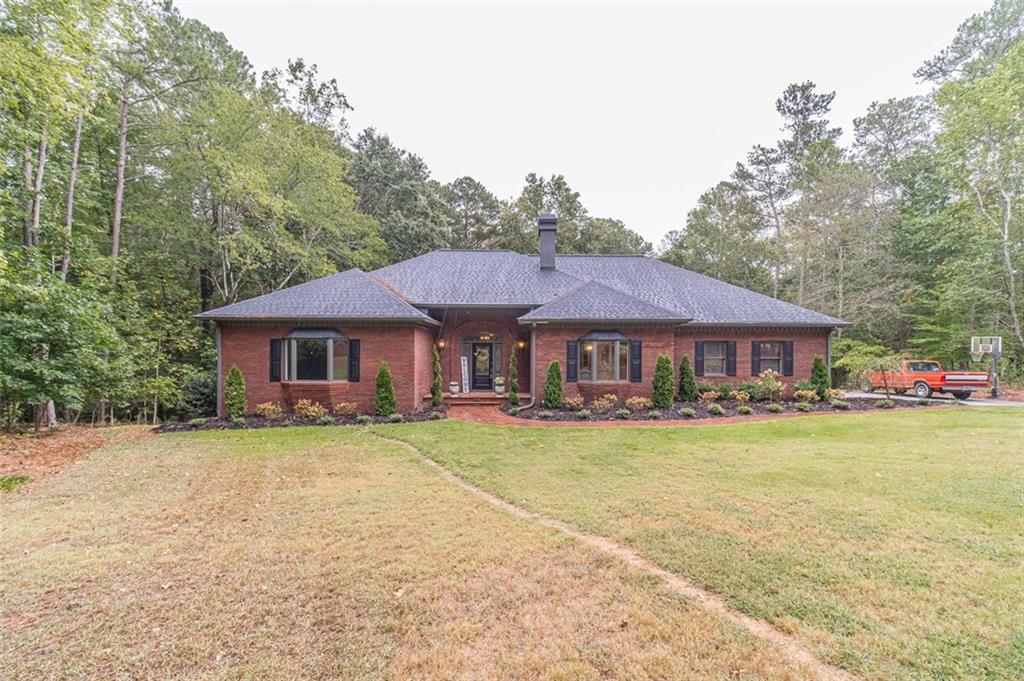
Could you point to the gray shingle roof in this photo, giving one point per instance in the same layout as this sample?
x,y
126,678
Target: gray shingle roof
x,y
591,287
352,294
592,300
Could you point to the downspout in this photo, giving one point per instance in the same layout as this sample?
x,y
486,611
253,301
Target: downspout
x,y
220,373
828,354
533,368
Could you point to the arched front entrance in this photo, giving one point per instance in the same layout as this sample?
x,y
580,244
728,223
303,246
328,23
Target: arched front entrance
x,y
484,354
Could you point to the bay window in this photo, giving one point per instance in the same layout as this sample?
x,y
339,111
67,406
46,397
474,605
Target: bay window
x,y
604,360
315,355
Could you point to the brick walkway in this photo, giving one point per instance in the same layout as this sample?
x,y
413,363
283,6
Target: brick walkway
x,y
492,416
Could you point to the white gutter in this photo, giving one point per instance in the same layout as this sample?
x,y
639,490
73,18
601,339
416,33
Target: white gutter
x,y
533,368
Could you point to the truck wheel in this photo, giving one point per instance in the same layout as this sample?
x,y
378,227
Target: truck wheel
x,y
902,391
961,395
922,390
865,386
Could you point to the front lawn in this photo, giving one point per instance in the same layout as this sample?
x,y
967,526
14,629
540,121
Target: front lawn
x,y
323,553
891,543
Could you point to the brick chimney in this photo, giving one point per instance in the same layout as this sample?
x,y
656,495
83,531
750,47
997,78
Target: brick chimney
x,y
547,226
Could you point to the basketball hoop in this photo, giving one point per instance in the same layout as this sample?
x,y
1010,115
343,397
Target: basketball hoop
x,y
977,356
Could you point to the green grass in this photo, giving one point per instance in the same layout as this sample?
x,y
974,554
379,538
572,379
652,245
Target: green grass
x,y
9,483
891,543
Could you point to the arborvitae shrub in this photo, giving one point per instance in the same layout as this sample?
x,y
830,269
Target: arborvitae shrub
x,y
234,393
513,379
384,399
687,381
820,378
663,388
553,386
436,395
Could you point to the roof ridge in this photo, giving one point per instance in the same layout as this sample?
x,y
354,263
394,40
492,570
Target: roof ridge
x,y
394,293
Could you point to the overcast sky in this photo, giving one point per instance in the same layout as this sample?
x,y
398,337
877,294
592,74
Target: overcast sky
x,y
641,107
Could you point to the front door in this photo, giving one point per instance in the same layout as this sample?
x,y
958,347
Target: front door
x,y
483,363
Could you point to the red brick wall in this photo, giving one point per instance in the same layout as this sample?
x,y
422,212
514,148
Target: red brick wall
x,y
405,348
675,342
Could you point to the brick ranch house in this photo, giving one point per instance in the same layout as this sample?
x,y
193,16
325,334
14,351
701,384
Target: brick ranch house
x,y
606,318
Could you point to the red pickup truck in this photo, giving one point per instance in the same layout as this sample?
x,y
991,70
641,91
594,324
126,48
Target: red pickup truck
x,y
924,377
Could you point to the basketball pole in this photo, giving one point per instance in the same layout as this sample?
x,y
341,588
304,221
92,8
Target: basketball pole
x,y
995,371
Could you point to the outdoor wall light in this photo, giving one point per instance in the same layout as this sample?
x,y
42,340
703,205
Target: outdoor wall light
x,y
440,344
521,344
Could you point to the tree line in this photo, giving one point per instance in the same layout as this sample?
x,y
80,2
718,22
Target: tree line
x,y
150,173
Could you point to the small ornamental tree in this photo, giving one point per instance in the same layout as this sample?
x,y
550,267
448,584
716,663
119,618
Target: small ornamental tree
x,y
513,380
553,386
687,381
384,399
234,393
664,387
820,378
436,396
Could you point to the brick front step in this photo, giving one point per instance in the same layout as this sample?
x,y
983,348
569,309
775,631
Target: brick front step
x,y
476,399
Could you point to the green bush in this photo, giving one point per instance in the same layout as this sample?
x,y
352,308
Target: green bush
x,y
775,408
687,412
705,387
687,381
326,420
196,422
384,399
364,419
744,409
715,409
803,406
436,416
923,402
804,385
623,413
198,396
885,404
724,390
583,414
820,379
395,418
663,389
553,386
749,387
654,414
544,414
840,404
234,393
436,394
513,379
238,420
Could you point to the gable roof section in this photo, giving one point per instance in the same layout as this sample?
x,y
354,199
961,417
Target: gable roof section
x,y
593,301
476,278
351,294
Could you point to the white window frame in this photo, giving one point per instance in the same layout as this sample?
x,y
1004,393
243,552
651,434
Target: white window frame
x,y
622,345
289,361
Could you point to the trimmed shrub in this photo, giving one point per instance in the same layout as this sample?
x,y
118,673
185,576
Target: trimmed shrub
x,y
574,402
553,386
840,404
196,422
885,404
654,414
705,387
345,408
687,412
384,398
775,408
305,409
709,396
804,385
769,386
639,403
604,403
364,419
803,406
326,420
544,414
436,416
805,396
744,410
724,391
687,381
234,393
238,420
820,379
716,409
269,410
199,396
513,379
663,389
395,418
436,393
749,387
622,413
583,414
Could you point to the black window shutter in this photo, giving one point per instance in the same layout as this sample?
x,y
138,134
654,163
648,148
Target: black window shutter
x,y
787,358
636,353
572,351
755,358
275,359
730,358
698,358
353,361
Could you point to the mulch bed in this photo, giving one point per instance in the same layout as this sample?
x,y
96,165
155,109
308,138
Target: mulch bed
x,y
287,421
701,410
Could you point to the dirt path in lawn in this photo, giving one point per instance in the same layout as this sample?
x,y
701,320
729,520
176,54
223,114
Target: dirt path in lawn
x,y
37,455
789,646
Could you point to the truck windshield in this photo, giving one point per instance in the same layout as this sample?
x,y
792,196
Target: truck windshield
x,y
924,366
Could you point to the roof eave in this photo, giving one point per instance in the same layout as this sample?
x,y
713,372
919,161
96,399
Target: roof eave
x,y
601,320
809,325
317,318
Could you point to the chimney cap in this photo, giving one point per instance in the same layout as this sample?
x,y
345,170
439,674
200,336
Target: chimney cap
x,y
546,221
